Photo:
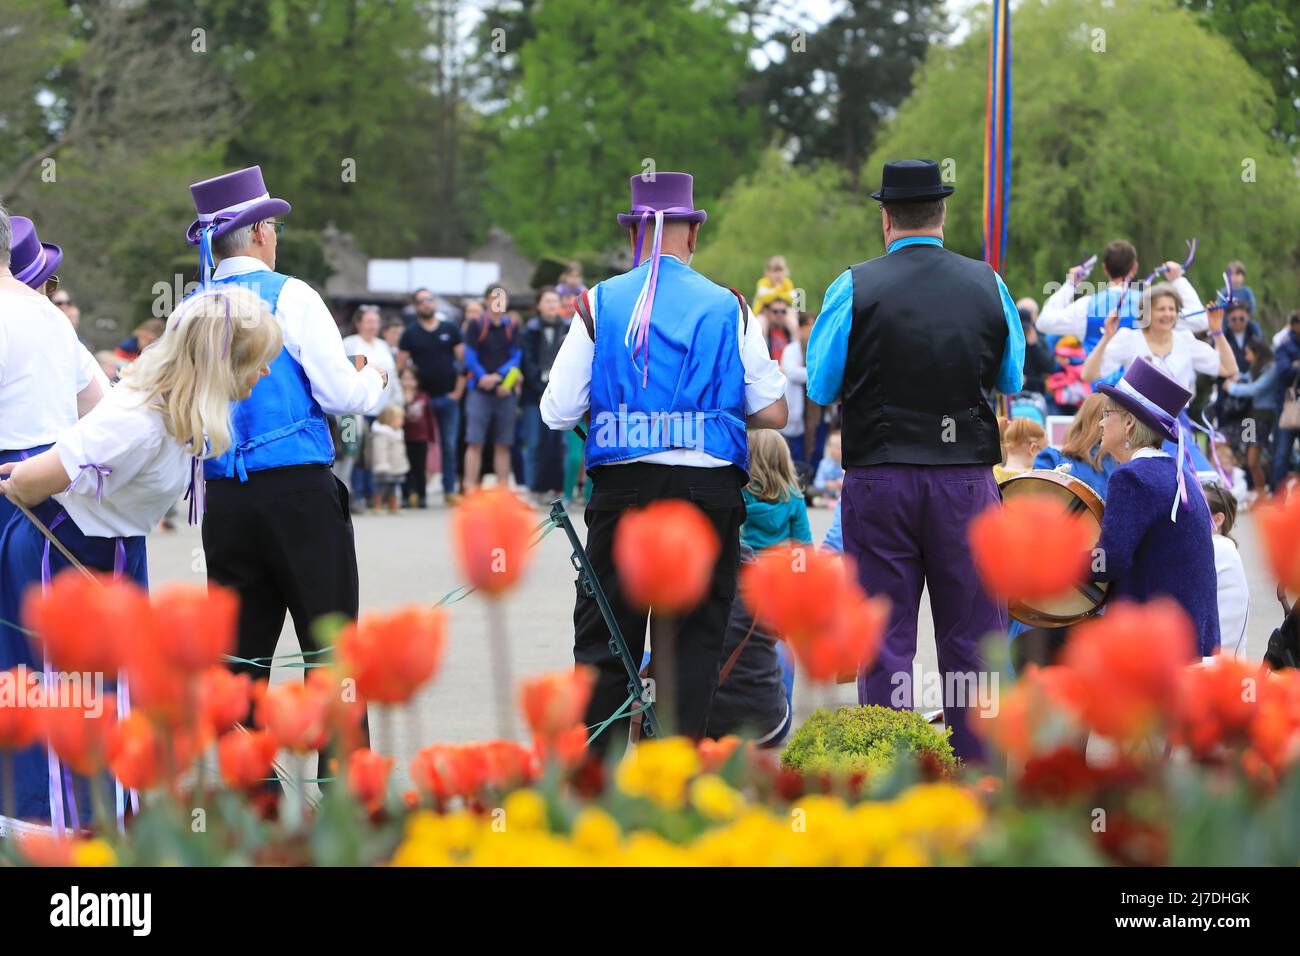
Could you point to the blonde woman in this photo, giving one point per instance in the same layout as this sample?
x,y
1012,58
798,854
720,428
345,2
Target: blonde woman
x,y
1080,454
1022,440
775,510
109,478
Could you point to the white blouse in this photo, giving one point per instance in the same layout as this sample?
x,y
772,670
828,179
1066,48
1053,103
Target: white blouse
x,y
121,454
1234,597
1187,356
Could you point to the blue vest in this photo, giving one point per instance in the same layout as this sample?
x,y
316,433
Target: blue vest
x,y
1100,305
695,397
280,424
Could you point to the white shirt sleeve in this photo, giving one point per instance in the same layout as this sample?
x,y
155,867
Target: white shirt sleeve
x,y
1205,358
314,341
116,434
764,381
792,363
1063,314
1190,303
568,390
1127,345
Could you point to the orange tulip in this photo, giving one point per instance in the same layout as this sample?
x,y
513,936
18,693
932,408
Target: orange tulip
x,y
85,625
797,591
1275,732
492,529
849,644
194,624
345,708
508,764
1129,662
134,752
714,754
1031,548
19,722
1038,714
665,554
1279,523
552,703
158,687
368,774
568,747
296,714
245,757
391,655
448,770
223,698
80,739
1216,704
45,849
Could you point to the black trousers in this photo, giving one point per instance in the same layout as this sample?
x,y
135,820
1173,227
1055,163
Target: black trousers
x,y
283,541
417,453
700,633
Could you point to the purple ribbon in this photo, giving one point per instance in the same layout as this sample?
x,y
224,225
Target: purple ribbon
x,y
637,337
99,471
196,494
1187,263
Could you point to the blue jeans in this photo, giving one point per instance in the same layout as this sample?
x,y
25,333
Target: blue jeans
x,y
1285,441
447,411
530,424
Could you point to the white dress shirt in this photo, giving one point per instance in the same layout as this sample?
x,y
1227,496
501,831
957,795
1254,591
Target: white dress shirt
x,y
147,470
796,374
313,340
1187,356
568,393
42,368
377,353
1063,314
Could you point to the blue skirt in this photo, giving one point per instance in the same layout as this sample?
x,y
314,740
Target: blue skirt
x,y
7,511
22,553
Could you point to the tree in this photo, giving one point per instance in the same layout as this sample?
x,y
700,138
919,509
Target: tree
x,y
1129,121
810,214
612,88
834,87
1267,34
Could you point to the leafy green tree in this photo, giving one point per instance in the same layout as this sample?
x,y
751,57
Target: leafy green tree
x,y
1129,121
609,89
1267,35
808,213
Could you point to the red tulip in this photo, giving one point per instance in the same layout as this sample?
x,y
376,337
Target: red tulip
x,y
508,764
847,645
1031,548
19,721
448,770
368,774
552,703
345,708
796,591
665,554
195,625
134,752
1279,523
1275,732
40,848
223,698
158,687
86,624
1036,702
245,757
296,714
714,754
391,655
1217,704
568,747
80,739
1129,662
493,529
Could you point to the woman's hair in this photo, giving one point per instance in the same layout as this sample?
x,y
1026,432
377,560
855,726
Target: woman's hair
x,y
771,469
777,262
1143,435
409,370
1221,502
1020,432
392,415
1152,295
1083,438
362,312
1263,353
213,342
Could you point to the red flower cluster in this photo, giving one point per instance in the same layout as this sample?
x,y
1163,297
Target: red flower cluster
x,y
1279,524
444,771
1030,548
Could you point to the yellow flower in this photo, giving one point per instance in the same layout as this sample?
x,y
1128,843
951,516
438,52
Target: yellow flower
x,y
659,769
595,831
525,810
950,816
713,798
94,852
903,853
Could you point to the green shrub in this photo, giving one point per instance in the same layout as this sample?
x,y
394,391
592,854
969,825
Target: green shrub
x,y
870,738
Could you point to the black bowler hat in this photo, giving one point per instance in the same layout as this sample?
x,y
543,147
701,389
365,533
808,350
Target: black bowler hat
x,y
912,180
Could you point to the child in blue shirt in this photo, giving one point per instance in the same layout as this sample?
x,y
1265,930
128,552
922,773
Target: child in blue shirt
x,y
775,511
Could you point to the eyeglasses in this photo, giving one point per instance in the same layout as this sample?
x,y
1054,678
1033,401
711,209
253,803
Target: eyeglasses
x,y
274,224
421,300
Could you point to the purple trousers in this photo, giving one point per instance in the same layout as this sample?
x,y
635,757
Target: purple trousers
x,y
905,526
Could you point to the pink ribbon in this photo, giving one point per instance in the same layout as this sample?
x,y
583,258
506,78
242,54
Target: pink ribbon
x,y
637,336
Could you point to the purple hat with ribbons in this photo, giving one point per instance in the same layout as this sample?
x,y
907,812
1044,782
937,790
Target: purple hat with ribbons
x,y
1151,396
31,261
230,202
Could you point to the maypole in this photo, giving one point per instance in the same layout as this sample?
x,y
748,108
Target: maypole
x,y
997,137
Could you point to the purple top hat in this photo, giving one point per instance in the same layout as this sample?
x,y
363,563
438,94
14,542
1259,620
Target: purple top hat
x,y
1151,396
669,193
31,261
231,202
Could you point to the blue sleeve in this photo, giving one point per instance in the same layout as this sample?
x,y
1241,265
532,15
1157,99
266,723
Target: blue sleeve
x,y
799,530
828,347
1130,511
1011,376
511,363
834,540
472,364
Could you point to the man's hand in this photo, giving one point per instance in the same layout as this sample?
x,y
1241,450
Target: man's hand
x,y
1214,316
1074,276
502,391
489,382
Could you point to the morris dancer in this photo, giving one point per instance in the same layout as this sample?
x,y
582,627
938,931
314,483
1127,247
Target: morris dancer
x,y
662,339
1084,318
915,342
278,527
110,477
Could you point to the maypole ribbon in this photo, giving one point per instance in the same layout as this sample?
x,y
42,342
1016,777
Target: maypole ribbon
x,y
637,337
997,138
1187,263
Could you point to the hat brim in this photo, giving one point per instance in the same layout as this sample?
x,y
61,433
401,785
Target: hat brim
x,y
53,258
245,217
909,195
1138,411
631,218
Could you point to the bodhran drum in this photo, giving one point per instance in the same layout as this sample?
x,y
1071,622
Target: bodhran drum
x,y
1079,498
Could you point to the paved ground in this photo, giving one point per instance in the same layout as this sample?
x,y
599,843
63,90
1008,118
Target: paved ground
x,y
407,558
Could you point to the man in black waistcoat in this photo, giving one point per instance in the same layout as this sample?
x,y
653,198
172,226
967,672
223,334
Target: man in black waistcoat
x,y
914,344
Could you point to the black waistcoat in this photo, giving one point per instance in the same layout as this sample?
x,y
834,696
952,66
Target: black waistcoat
x,y
924,351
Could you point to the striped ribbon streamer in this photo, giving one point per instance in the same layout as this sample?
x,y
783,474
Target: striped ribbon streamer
x,y
997,138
